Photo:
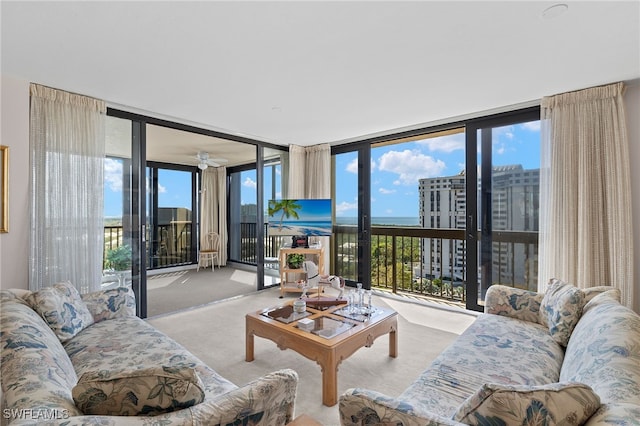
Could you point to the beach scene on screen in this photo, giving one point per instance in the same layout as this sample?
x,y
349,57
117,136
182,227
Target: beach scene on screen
x,y
310,217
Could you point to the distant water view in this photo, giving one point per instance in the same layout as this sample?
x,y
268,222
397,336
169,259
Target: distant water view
x,y
386,221
310,228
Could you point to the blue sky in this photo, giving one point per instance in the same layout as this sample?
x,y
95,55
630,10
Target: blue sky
x,y
395,171
174,188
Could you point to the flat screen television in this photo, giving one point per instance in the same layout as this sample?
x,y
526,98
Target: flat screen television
x,y
308,217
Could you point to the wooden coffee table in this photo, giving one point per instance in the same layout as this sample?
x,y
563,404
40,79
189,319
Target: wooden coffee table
x,y
335,338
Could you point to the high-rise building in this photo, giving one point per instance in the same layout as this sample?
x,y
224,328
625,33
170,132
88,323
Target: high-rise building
x,y
514,207
515,196
443,204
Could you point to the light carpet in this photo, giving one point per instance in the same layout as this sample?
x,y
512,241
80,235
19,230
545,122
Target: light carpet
x,y
176,290
216,334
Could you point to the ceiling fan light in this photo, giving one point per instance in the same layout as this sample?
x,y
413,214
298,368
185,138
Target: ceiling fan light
x,y
202,166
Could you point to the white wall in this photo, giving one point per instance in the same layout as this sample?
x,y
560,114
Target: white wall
x,y
14,245
14,250
632,108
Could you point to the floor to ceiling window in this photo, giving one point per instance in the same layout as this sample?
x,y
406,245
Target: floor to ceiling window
x,y
404,206
346,238
152,188
124,241
171,218
505,189
243,214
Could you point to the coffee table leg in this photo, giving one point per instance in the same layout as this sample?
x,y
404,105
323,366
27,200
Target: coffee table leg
x,y
330,382
249,346
393,342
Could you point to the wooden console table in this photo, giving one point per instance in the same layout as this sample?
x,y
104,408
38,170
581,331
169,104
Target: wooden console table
x,y
291,286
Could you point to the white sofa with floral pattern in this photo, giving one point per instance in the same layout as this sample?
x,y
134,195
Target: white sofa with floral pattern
x,y
565,357
70,360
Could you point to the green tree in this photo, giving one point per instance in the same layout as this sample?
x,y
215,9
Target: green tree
x,y
119,258
287,207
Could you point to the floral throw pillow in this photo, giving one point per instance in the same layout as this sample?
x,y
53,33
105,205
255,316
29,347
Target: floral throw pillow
x,y
144,392
552,404
62,308
591,292
560,309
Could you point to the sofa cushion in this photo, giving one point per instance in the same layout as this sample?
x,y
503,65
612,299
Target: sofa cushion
x,y
591,292
604,351
62,308
556,403
494,349
560,309
610,296
109,304
146,391
132,344
35,369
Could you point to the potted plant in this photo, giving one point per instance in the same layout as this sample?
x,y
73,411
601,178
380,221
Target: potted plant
x,y
294,260
119,258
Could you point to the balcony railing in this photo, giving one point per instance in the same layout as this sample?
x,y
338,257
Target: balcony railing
x,y
432,262
420,261
427,262
172,246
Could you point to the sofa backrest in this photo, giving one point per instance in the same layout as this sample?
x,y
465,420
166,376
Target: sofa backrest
x,y
36,371
604,351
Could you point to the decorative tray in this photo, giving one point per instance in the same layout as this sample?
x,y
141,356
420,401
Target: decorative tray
x,y
285,314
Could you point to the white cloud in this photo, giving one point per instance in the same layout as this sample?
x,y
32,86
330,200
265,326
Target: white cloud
x,y
386,191
533,126
344,207
113,174
352,167
446,144
161,189
249,183
410,166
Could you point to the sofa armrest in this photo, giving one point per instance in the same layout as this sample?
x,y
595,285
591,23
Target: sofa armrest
x,y
365,407
268,400
513,302
113,303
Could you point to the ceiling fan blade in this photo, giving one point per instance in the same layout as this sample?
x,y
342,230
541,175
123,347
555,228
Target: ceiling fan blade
x,y
216,162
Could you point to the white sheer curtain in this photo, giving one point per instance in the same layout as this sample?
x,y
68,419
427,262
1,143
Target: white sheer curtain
x,y
297,172
213,208
309,171
67,219
221,182
318,171
310,177
585,191
318,185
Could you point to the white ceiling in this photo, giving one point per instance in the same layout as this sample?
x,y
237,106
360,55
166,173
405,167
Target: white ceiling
x,y
306,72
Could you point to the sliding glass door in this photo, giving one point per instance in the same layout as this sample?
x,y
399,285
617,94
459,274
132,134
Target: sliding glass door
x,y
503,175
352,223
171,218
125,239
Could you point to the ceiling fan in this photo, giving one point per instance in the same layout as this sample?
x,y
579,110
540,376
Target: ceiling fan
x,y
204,161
